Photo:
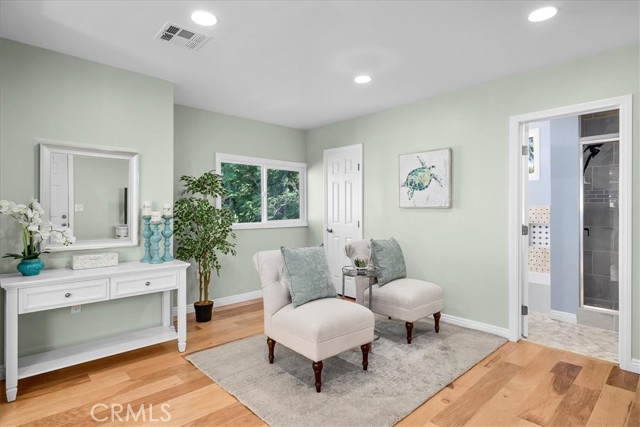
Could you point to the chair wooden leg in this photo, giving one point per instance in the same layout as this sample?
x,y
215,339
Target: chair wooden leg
x,y
365,355
436,317
317,369
271,343
409,326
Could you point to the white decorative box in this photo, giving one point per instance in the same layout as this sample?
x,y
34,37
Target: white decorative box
x,y
83,262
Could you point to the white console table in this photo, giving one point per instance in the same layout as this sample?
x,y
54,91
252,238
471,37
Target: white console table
x,y
57,288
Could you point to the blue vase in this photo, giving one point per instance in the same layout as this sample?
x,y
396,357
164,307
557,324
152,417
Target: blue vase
x,y
30,267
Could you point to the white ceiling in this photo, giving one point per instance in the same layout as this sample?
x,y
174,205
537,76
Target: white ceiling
x,y
292,63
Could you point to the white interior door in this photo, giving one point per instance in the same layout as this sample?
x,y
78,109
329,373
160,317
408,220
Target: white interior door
x,y
524,240
342,209
60,192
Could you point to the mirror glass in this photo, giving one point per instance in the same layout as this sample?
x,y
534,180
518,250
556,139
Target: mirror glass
x,y
91,190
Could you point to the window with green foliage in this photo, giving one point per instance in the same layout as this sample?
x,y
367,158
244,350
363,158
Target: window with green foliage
x,y
263,193
243,185
283,194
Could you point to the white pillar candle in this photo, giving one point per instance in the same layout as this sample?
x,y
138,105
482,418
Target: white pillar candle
x,y
146,208
155,216
167,209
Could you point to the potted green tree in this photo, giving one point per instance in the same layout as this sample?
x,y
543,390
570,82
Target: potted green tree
x,y
202,232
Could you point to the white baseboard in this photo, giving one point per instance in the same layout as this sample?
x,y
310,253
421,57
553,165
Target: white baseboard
x,y
541,278
563,316
635,365
472,324
232,299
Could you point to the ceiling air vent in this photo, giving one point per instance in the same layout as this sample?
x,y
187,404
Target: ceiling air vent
x,y
180,36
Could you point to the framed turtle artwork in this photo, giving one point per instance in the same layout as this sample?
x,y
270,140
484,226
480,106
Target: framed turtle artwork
x,y
425,179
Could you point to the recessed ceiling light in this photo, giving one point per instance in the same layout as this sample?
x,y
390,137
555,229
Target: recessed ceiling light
x,y
362,79
204,18
543,14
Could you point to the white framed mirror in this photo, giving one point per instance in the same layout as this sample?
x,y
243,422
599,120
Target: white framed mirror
x,y
92,190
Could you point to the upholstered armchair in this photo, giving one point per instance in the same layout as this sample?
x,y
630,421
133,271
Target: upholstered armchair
x,y
404,299
318,329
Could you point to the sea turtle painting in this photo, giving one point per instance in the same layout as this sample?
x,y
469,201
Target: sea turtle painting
x,y
421,178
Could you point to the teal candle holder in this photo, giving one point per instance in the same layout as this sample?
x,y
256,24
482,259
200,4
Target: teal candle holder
x,y
167,233
155,244
146,233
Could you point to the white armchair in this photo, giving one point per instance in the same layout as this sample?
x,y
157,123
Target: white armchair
x,y
403,299
318,329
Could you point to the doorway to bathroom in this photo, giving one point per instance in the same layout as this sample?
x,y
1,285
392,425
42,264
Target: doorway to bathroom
x,y
570,283
573,233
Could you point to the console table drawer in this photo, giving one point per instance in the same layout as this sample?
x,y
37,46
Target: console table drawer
x,y
127,286
63,295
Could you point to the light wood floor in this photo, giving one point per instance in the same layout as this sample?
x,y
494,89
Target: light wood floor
x,y
520,384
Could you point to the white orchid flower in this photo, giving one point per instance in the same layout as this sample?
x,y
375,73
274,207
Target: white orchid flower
x,y
35,229
5,207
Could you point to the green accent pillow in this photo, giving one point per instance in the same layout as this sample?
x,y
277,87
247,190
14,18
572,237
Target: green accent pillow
x,y
387,256
306,272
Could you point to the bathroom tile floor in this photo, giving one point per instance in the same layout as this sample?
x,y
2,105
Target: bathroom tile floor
x,y
582,339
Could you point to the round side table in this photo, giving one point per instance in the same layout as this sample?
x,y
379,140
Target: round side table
x,y
369,272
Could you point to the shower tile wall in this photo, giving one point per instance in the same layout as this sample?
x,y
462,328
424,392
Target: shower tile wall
x,y
601,229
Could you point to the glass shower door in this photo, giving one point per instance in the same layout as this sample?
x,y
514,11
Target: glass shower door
x,y
600,224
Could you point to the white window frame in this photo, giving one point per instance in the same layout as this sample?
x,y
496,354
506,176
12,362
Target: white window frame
x,y
266,164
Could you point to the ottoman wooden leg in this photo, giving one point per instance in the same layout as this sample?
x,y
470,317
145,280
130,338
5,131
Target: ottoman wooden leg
x,y
409,326
317,369
436,317
365,355
271,343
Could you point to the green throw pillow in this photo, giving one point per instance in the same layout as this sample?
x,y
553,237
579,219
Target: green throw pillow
x,y
387,256
307,273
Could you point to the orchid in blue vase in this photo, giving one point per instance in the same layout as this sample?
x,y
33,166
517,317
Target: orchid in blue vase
x,y
34,232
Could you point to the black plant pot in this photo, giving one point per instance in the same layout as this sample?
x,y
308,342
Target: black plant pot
x,y
203,311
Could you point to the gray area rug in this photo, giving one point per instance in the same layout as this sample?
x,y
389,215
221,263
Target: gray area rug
x,y
400,377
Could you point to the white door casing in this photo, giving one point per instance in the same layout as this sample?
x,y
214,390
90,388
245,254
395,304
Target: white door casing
x,y
342,208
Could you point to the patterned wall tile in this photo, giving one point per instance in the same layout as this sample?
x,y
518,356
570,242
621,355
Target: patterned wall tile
x,y
539,260
539,239
539,235
539,214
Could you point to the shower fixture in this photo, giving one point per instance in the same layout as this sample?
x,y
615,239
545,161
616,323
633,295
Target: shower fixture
x,y
593,151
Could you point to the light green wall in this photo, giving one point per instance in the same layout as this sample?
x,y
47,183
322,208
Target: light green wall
x,y
198,136
98,184
54,96
464,249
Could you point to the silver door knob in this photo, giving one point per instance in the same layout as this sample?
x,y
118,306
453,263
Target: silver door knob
x,y
329,230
